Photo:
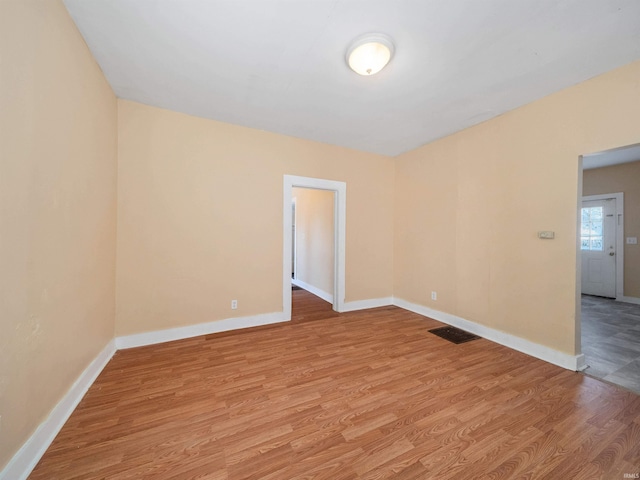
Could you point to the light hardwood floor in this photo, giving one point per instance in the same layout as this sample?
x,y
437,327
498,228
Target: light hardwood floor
x,y
362,395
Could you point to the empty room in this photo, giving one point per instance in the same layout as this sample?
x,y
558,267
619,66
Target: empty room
x,y
319,239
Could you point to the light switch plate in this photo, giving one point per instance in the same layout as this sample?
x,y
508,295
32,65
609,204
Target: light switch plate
x,y
632,240
547,235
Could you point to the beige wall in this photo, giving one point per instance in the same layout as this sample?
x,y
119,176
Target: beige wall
x,y
314,238
622,178
200,217
467,209
57,213
200,213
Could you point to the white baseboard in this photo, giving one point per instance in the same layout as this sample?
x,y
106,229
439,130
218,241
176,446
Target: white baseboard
x,y
370,303
635,300
327,297
581,363
25,459
23,462
564,360
179,333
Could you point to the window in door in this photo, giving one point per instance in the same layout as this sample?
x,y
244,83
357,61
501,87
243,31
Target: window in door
x,y
591,236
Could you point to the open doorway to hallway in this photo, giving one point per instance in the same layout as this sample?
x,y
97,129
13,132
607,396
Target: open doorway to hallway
x,y
609,281
339,191
313,239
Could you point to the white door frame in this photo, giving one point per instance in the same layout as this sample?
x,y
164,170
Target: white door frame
x,y
339,231
619,219
294,243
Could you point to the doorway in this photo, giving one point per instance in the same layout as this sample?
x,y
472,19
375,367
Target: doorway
x,y
339,191
313,241
607,328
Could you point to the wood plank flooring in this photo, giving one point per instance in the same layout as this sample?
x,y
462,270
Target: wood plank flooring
x,y
362,395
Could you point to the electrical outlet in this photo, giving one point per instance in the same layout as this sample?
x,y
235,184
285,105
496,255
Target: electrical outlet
x,y
234,304
434,295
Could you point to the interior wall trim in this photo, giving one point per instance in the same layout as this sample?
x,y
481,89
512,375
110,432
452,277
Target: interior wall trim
x,y
339,231
189,331
370,303
326,296
561,359
25,459
626,299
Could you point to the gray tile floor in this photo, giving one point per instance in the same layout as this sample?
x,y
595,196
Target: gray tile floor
x,y
611,340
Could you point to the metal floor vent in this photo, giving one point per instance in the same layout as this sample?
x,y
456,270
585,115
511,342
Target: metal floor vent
x,y
454,335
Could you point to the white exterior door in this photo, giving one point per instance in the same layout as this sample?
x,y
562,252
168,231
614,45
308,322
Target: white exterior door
x,y
598,247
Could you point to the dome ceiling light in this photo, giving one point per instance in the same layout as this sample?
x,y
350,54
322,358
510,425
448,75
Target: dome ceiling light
x,y
370,53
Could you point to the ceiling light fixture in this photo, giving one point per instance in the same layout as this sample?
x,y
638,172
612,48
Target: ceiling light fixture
x,y
370,53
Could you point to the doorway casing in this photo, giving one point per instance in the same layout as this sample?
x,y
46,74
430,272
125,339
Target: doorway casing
x,y
339,190
582,365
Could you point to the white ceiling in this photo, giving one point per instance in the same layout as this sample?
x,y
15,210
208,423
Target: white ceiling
x,y
278,65
614,156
